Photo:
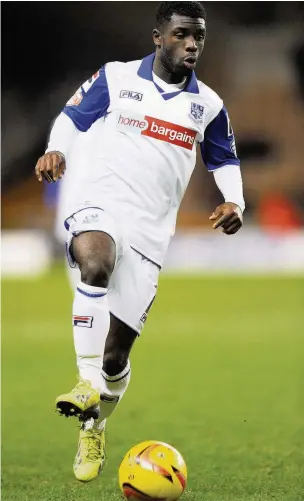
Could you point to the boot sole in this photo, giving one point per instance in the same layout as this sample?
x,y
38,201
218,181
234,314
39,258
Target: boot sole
x,y
68,409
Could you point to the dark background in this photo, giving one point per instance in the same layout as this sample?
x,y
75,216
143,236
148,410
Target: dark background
x,y
50,48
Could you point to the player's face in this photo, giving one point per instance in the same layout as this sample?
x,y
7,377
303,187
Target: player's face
x,y
181,43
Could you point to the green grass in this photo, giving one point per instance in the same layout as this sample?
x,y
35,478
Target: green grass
x,y
218,373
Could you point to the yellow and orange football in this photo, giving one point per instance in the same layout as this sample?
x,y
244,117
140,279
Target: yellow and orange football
x,y
152,471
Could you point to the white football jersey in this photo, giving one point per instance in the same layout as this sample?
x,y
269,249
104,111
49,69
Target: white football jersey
x,y
141,150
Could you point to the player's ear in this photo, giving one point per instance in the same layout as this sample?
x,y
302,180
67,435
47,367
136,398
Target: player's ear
x,y
157,38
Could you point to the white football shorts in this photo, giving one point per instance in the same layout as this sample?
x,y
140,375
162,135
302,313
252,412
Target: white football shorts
x,y
133,283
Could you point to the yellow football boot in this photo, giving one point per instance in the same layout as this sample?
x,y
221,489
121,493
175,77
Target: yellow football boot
x,y
82,401
90,456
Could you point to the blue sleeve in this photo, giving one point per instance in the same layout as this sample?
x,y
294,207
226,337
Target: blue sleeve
x,y
90,101
218,148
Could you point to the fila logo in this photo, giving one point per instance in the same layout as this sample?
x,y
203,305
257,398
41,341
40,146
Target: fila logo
x,y
158,129
131,94
80,321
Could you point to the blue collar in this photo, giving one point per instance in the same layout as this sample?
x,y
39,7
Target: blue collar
x,y
145,71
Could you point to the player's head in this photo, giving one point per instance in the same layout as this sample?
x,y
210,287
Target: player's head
x,y
179,35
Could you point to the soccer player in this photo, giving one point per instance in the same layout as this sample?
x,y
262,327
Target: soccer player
x,y
144,120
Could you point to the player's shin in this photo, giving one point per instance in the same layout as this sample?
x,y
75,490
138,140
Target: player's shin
x,y
113,389
91,321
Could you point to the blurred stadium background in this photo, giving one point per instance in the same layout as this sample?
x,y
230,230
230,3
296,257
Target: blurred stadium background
x,y
219,370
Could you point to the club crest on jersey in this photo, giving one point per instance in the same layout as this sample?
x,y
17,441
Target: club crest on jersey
x,y
80,321
197,112
131,94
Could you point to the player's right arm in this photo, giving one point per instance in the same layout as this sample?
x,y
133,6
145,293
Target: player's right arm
x,y
220,157
89,103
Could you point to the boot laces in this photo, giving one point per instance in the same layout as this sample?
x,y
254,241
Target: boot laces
x,y
80,385
92,445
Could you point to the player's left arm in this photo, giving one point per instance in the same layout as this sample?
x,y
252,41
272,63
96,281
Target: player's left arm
x,y
220,157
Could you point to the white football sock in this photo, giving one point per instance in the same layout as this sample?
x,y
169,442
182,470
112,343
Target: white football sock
x,y
113,389
91,320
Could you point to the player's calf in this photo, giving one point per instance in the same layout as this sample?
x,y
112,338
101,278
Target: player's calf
x,y
118,346
114,362
116,370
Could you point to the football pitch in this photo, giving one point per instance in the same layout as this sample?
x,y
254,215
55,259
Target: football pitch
x,y
218,373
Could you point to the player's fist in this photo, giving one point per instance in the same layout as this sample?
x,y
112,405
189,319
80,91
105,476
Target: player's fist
x,y
229,216
50,167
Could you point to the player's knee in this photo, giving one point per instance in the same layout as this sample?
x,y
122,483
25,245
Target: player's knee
x,y
96,272
114,362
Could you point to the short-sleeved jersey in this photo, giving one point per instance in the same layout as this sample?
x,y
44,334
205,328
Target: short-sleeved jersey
x,y
142,147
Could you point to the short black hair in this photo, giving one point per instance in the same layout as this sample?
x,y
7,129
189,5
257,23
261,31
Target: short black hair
x,y
166,10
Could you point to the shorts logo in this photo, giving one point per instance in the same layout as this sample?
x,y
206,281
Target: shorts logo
x,y
79,321
144,316
131,94
197,112
91,218
158,129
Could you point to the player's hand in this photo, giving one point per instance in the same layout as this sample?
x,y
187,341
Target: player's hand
x,y
50,167
229,216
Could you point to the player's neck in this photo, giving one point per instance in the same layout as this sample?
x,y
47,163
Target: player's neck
x,y
165,75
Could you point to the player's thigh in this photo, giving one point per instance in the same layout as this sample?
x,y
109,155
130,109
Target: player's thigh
x,y
132,289
92,248
93,236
